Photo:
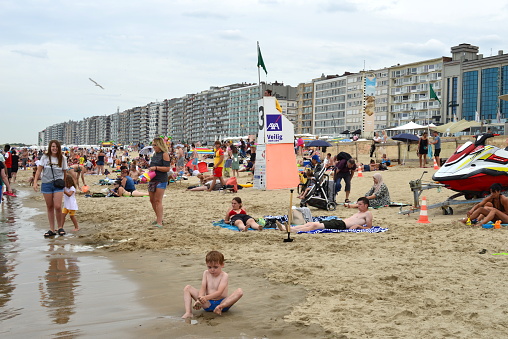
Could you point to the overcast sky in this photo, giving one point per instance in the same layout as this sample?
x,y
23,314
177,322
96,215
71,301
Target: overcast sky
x,y
143,51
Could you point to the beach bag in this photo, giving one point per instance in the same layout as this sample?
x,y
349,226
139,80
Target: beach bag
x,y
59,183
298,218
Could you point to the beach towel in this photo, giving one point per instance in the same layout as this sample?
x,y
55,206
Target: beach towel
x,y
374,229
223,224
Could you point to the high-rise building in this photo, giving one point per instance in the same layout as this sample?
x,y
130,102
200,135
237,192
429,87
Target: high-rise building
x,y
304,108
472,84
410,92
243,106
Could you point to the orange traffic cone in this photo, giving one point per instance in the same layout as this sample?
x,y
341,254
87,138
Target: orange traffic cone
x,y
436,167
360,174
424,218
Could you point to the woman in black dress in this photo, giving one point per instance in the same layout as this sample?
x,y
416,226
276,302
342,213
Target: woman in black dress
x,y
423,148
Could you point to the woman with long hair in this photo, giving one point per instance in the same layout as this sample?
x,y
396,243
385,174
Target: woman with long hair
x,y
52,166
156,187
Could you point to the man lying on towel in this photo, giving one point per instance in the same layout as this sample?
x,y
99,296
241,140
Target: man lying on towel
x,y
360,220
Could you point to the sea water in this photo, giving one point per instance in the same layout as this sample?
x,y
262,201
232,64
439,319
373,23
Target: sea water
x,y
54,288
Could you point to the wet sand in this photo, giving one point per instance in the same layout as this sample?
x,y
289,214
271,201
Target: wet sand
x,y
428,279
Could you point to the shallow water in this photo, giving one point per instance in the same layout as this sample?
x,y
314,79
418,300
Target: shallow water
x,y
54,288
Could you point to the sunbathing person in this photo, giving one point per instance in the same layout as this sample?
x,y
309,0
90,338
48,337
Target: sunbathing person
x,y
493,207
237,216
206,186
360,220
119,191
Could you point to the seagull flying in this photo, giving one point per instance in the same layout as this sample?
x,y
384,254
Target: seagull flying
x,y
96,84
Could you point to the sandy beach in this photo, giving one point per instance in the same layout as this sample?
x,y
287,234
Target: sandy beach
x,y
415,280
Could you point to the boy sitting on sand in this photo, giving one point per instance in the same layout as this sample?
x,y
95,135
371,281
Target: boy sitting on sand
x,y
213,294
360,220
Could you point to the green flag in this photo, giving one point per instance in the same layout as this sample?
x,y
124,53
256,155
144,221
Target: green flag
x,y
433,94
260,60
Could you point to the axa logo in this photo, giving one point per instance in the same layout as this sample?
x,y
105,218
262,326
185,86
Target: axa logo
x,y
273,127
274,122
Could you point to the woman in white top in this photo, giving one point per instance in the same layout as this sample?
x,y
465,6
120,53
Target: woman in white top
x,y
52,166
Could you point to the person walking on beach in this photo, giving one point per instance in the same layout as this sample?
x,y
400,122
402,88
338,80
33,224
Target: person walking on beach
x,y
70,203
52,166
8,160
14,165
235,164
218,165
4,180
213,294
360,220
160,164
100,162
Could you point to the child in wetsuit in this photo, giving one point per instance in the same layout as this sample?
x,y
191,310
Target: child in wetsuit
x,y
212,296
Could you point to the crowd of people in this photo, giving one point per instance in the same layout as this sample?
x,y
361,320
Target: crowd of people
x,y
62,171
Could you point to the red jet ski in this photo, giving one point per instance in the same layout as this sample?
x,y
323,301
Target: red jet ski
x,y
474,167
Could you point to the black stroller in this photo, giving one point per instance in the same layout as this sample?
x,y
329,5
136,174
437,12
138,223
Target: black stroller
x,y
322,194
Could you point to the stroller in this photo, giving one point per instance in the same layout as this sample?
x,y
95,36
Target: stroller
x,y
322,194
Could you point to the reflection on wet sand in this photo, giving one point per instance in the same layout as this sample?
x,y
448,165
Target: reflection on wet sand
x,y
7,266
58,289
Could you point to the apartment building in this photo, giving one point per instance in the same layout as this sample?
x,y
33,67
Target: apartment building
x,y
472,84
243,106
410,92
329,112
176,116
304,108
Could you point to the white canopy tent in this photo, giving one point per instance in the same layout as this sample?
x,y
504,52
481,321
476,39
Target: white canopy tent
x,y
409,126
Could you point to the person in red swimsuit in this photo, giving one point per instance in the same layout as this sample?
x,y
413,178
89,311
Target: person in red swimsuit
x,y
237,216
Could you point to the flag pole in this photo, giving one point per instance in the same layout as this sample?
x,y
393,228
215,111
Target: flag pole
x,y
259,77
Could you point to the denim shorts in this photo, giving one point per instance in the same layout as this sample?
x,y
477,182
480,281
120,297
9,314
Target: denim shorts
x,y
162,185
48,188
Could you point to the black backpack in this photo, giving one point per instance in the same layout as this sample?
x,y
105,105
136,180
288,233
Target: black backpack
x,y
343,155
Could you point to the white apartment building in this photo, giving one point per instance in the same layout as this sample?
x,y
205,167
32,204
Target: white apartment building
x,y
243,107
329,109
409,92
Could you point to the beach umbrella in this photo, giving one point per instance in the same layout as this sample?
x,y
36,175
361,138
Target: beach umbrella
x,y
318,143
358,131
146,150
203,150
406,137
347,140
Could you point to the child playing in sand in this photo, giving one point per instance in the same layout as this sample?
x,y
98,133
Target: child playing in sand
x,y
70,203
213,294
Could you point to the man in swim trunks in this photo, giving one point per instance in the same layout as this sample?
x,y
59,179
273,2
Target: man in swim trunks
x,y
360,220
218,165
493,207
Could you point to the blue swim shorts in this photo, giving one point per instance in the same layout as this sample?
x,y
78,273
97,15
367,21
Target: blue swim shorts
x,y
162,185
214,304
49,188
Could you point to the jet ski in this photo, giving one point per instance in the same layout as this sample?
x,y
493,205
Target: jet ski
x,y
474,167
